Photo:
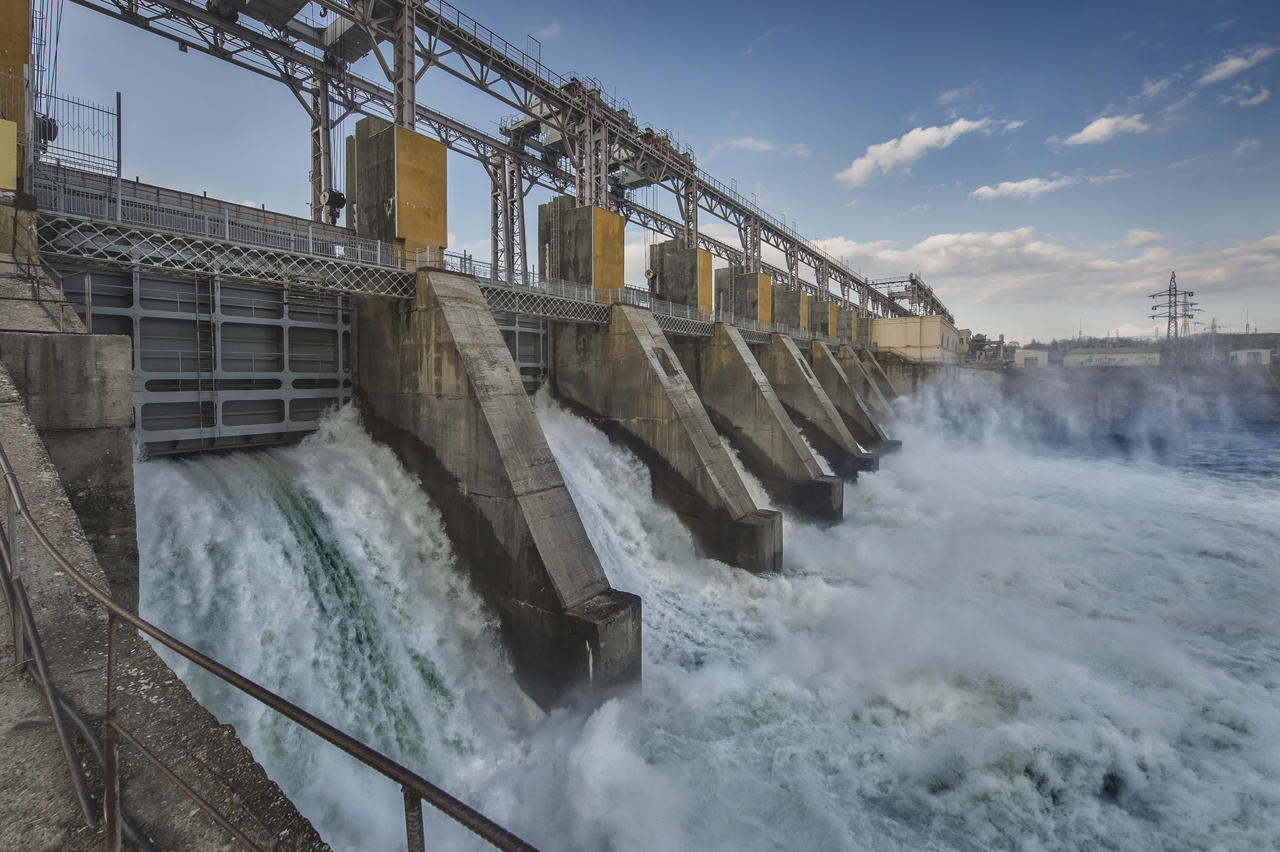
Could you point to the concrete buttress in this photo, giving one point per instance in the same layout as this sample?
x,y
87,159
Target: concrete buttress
x,y
878,375
862,381
743,405
848,401
796,385
627,376
438,385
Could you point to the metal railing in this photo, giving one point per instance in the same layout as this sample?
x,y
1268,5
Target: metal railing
x,y
30,656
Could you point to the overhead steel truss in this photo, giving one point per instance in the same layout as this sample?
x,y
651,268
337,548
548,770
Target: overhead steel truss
x,y
562,120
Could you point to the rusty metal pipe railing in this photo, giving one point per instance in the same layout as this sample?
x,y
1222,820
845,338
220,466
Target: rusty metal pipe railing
x,y
24,626
410,782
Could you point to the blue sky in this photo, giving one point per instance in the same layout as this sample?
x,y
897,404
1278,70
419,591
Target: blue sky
x,y
1043,166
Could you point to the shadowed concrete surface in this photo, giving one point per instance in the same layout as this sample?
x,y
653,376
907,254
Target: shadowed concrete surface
x,y
798,388
627,377
438,385
742,404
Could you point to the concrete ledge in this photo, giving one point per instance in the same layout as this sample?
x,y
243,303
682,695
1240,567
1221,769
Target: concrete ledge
x,y
797,386
628,379
438,385
78,392
853,410
743,405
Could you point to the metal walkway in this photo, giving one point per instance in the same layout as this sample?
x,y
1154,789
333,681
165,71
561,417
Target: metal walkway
x,y
94,220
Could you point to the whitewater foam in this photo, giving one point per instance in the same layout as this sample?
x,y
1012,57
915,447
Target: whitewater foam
x,y
1000,647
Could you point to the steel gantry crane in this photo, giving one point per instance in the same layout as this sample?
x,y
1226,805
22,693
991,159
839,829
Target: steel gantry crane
x,y
568,135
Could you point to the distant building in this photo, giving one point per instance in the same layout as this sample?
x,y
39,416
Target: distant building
x,y
1030,359
964,335
1112,356
1250,357
932,340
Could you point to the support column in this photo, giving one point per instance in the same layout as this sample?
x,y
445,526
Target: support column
x,y
742,294
405,82
581,244
845,324
321,146
742,404
438,385
682,275
627,375
848,402
793,380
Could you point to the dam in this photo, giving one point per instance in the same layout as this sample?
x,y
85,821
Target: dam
x,y
574,561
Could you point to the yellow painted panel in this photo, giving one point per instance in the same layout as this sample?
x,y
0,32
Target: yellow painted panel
x,y
804,310
8,155
706,289
831,319
15,52
421,191
606,249
765,290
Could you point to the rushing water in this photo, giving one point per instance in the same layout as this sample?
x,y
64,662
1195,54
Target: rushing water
x,y
1002,646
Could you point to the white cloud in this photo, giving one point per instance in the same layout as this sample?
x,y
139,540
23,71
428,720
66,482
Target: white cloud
x,y
1029,188
953,95
901,152
550,31
1151,88
1010,126
1032,187
1015,281
801,150
920,208
1139,237
1243,95
1102,129
750,143
1247,146
1233,65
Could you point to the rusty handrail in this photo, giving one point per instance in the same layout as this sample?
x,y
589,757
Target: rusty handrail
x,y
414,786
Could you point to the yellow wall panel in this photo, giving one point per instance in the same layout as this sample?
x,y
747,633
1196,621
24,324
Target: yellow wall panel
x,y
606,249
706,288
8,155
765,291
15,50
421,191
831,319
804,310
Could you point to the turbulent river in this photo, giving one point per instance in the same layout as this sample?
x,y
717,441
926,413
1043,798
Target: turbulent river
x,y
1004,645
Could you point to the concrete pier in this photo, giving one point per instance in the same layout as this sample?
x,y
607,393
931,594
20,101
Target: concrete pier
x,y
437,384
867,388
878,375
798,388
628,377
743,405
848,401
